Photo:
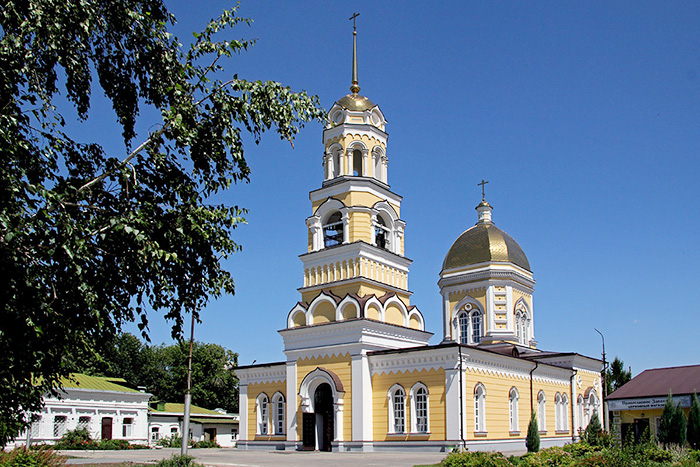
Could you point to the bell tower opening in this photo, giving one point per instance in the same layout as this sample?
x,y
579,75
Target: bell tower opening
x,y
357,162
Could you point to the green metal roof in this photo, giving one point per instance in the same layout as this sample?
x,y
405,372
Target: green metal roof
x,y
171,407
98,383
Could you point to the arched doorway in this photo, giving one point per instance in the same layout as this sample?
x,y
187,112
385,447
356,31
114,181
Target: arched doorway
x,y
323,408
321,393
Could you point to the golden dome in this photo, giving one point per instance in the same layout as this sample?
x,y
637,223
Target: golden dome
x,y
355,102
484,243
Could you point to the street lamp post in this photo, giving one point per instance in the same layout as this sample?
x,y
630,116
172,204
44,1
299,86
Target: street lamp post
x,y
605,385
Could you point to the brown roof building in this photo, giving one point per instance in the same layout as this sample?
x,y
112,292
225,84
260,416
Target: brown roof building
x,y
637,405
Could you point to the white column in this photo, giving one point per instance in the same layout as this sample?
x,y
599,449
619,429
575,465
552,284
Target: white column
x,y
490,313
446,321
292,401
346,227
364,163
361,399
452,404
509,309
243,411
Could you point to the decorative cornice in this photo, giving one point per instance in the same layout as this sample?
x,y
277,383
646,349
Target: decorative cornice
x,y
350,251
328,285
262,374
346,183
488,276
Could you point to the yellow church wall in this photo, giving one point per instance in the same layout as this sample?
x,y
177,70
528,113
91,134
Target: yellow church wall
x,y
414,323
360,225
341,366
517,295
372,312
497,413
433,379
254,390
356,287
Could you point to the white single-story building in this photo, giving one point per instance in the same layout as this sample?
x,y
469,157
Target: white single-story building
x,y
205,425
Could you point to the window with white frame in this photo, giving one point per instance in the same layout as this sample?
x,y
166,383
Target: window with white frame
x,y
581,420
36,427
592,407
262,413
155,433
541,411
173,431
127,427
333,230
278,413
382,234
513,399
470,323
522,325
84,423
564,412
479,408
419,408
59,425
557,412
397,409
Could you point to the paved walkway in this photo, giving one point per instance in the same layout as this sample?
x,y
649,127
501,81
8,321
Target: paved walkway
x,y
240,458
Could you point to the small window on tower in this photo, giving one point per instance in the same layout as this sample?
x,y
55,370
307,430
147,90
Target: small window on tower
x,y
357,162
333,230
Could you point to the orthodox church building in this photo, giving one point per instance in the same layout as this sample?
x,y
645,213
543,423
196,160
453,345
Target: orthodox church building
x,y
359,373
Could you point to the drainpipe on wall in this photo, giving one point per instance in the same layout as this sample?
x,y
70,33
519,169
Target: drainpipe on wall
x,y
461,398
571,398
532,400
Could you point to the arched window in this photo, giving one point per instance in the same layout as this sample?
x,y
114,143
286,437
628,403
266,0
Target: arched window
x,y
591,407
470,321
262,414
541,411
557,411
333,230
479,408
357,162
513,398
381,233
522,327
581,420
278,413
564,412
377,164
419,408
397,409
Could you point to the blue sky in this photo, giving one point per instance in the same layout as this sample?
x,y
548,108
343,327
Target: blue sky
x,y
583,116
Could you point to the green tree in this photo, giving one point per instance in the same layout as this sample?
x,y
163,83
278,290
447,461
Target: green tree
x,y
672,423
532,441
616,376
594,431
693,432
95,236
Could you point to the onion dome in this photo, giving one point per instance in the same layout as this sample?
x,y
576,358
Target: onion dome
x,y
484,243
355,102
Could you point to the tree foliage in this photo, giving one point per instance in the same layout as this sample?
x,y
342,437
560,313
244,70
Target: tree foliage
x,y
532,441
92,236
693,432
616,376
672,424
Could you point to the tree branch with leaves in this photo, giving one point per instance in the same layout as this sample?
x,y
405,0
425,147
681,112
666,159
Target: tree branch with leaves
x,y
92,237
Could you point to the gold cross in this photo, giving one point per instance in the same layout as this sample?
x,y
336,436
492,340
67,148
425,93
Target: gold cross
x,y
483,184
354,15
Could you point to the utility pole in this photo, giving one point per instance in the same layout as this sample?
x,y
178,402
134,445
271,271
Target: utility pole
x,y
605,386
188,397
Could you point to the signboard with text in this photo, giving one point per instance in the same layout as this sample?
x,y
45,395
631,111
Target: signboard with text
x,y
647,403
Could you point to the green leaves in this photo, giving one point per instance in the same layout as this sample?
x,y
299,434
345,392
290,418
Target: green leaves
x,y
92,236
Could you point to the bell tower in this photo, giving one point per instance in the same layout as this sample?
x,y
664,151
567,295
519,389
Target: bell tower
x,y
355,232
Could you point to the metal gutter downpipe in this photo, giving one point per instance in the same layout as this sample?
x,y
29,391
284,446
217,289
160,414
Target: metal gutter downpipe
x,y
461,399
532,400
571,398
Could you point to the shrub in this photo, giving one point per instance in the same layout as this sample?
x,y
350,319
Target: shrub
x,y
532,442
170,442
75,439
178,461
23,457
205,444
475,459
550,457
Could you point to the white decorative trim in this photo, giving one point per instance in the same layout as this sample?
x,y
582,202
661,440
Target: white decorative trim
x,y
356,184
262,374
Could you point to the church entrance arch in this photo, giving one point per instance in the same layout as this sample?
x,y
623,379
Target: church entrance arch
x,y
323,409
321,394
